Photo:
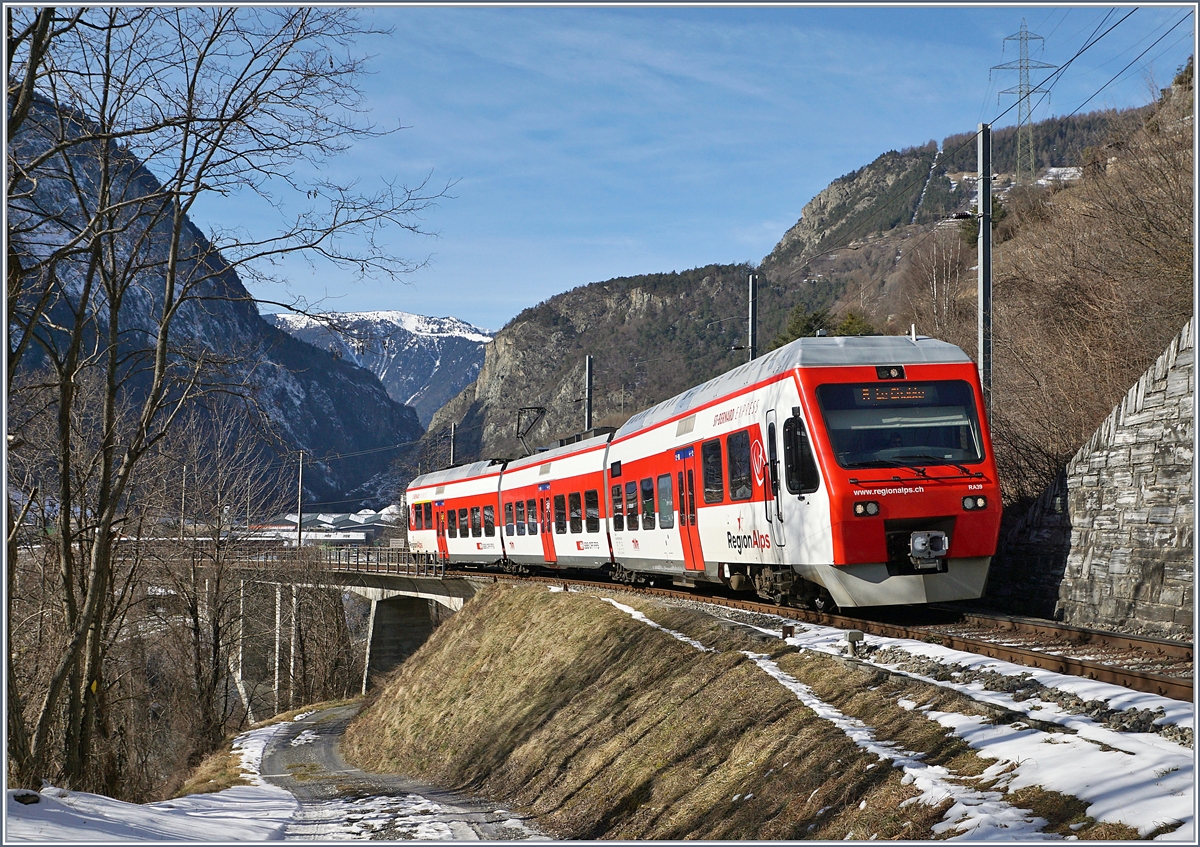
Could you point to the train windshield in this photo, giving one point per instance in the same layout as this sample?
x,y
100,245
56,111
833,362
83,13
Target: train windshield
x,y
891,424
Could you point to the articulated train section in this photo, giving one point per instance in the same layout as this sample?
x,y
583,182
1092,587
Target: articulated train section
x,y
831,472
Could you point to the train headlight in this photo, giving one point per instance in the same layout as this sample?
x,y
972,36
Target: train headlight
x,y
972,504
866,509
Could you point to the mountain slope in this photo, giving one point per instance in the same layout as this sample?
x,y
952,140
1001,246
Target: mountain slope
x,y
650,336
423,362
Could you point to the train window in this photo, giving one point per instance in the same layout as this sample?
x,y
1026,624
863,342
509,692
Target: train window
x,y
531,512
800,465
509,529
429,516
520,517
417,522
714,481
462,523
648,503
576,511
489,520
476,524
738,445
451,524
631,506
560,514
591,505
913,424
666,503
618,509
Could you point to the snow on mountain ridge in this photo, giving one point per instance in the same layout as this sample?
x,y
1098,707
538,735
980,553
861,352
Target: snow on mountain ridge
x,y
422,361
423,325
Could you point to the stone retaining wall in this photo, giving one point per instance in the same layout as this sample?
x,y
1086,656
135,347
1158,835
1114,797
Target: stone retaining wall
x,y
1111,543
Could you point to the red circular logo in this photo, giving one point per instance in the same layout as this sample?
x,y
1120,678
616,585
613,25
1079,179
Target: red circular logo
x,y
758,460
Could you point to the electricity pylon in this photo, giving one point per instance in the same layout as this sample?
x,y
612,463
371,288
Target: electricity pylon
x,y
1026,164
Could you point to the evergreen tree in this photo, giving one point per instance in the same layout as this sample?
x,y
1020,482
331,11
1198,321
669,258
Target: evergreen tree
x,y
803,324
855,324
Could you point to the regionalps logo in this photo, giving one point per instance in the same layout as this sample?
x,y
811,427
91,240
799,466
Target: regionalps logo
x,y
751,541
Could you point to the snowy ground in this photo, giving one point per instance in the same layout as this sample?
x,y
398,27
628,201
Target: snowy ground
x,y
1141,779
245,813
259,811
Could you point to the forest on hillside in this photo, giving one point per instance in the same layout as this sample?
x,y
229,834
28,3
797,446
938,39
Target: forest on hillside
x,y
1057,142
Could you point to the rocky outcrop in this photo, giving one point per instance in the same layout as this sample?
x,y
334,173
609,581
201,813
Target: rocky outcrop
x,y
650,337
897,189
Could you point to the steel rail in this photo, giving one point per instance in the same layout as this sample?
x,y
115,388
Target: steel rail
x,y
1161,647
1176,688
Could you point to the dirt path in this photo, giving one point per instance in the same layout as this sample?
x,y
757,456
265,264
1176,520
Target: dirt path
x,y
338,801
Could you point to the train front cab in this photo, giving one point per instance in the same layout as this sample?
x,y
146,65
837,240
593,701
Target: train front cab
x,y
910,482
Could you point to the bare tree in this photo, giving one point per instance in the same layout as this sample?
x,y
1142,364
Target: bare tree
x,y
938,290
1095,281
124,118
224,476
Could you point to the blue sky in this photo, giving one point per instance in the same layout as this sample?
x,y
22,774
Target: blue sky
x,y
588,143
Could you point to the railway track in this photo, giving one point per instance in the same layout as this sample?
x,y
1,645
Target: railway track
x,y
1151,665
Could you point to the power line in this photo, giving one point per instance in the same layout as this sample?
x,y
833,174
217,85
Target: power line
x,y
1132,63
1090,42
1023,92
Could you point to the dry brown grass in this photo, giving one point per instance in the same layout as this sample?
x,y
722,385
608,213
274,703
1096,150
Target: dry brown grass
x,y
218,771
606,728
602,727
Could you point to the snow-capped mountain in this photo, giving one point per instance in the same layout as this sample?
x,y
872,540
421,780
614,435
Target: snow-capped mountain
x,y
422,362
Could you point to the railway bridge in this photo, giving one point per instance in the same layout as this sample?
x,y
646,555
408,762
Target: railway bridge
x,y
407,596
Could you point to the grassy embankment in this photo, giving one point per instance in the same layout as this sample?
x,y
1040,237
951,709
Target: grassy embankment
x,y
602,727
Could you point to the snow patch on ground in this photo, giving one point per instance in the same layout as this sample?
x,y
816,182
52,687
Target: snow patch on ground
x,y
1141,780
1138,779
973,814
254,812
679,636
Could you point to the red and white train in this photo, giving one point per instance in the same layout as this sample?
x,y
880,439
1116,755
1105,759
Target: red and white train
x,y
857,470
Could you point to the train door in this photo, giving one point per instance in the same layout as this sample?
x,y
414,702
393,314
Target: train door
x,y
689,533
548,530
773,502
800,474
443,550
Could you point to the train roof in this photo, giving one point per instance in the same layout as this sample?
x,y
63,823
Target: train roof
x,y
454,474
803,353
557,452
